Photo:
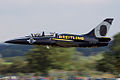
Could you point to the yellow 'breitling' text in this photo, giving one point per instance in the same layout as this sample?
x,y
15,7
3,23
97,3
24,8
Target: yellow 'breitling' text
x,y
71,37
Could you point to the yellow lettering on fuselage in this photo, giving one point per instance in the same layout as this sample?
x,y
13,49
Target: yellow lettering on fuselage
x,y
80,38
70,37
60,36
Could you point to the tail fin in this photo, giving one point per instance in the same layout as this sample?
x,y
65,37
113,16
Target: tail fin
x,y
102,29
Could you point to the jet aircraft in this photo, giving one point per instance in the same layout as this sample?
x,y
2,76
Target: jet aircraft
x,y
95,38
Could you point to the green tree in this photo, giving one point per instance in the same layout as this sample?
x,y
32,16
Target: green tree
x,y
62,58
107,63
116,50
41,59
18,66
111,61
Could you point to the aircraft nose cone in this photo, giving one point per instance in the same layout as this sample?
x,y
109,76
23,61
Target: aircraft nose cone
x,y
17,41
10,41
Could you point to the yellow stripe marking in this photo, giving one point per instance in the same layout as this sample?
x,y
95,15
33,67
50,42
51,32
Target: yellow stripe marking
x,y
61,39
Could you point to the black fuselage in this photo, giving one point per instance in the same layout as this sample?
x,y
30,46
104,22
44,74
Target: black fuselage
x,y
63,40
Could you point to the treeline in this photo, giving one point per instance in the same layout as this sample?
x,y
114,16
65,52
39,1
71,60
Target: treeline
x,y
42,60
7,50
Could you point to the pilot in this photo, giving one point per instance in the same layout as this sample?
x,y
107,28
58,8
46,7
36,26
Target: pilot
x,y
35,35
39,35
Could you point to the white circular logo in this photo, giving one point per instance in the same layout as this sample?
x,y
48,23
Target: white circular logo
x,y
31,40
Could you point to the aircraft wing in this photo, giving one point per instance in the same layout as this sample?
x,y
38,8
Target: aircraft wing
x,y
64,42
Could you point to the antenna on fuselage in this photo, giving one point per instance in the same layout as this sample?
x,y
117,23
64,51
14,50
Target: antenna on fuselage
x,y
43,33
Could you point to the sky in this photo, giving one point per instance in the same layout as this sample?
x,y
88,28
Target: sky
x,y
22,17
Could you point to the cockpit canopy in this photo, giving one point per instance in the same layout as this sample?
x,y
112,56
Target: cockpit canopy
x,y
42,34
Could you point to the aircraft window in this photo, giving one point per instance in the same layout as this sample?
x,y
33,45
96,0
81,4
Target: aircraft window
x,y
43,34
36,35
51,34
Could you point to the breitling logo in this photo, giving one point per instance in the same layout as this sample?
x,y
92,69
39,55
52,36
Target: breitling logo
x,y
71,37
31,40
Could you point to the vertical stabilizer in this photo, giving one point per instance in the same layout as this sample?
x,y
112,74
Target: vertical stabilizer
x,y
102,29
